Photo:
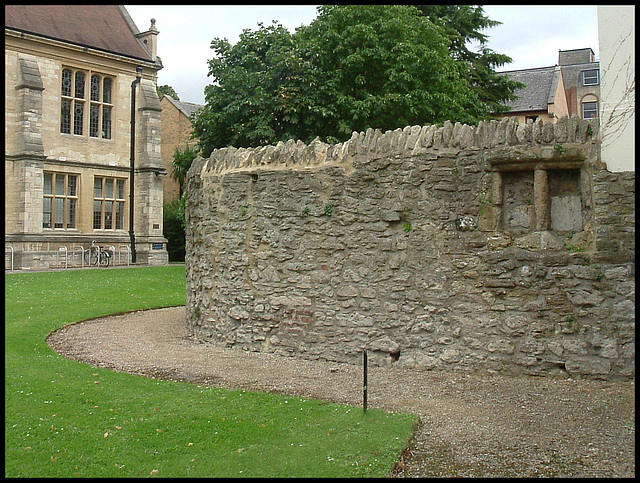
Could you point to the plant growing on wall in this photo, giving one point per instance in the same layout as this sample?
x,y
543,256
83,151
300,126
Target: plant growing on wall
x,y
328,210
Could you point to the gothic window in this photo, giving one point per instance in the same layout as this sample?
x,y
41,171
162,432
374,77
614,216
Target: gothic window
x,y
518,205
565,198
558,206
74,95
537,191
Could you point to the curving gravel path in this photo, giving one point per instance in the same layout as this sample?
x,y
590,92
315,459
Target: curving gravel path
x,y
470,425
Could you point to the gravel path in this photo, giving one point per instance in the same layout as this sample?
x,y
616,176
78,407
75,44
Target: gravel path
x,y
470,425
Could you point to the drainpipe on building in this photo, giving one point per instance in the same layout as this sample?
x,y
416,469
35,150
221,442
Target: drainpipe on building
x,y
133,157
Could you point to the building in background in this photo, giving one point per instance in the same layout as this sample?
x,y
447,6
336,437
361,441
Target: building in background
x,y
176,133
616,33
69,78
572,87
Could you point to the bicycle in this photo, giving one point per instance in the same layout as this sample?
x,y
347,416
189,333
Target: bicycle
x,y
97,255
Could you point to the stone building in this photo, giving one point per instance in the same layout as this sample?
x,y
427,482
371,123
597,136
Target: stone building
x,y
68,136
572,87
176,133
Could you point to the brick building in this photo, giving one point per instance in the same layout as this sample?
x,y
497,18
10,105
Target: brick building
x,y
176,133
68,136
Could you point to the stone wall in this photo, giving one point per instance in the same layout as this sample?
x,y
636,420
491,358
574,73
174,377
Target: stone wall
x,y
497,247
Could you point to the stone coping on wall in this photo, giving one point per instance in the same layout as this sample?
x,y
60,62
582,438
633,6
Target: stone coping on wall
x,y
557,140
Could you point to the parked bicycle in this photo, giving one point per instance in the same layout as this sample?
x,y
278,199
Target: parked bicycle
x,y
97,255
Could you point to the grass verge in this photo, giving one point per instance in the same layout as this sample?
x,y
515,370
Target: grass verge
x,y
69,419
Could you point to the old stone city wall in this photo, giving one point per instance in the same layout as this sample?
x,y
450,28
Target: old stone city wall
x,y
496,247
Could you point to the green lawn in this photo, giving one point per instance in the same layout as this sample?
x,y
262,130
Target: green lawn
x,y
68,419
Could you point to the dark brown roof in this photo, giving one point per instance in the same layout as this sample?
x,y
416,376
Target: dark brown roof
x,y
102,27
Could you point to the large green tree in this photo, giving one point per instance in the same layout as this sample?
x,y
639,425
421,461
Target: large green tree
x,y
464,25
354,67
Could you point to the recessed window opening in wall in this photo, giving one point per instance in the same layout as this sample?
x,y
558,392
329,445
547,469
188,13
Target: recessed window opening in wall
x,y
518,202
540,200
565,200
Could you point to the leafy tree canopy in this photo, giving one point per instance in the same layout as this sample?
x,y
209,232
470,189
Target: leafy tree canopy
x,y
463,25
354,67
167,90
181,162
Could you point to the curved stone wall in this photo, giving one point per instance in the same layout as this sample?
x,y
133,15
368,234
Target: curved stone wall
x,y
497,247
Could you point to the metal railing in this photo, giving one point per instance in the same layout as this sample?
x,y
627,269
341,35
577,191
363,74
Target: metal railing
x,y
75,247
73,257
66,256
128,253
5,254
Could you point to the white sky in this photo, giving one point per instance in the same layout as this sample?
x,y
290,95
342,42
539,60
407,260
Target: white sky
x,y
530,35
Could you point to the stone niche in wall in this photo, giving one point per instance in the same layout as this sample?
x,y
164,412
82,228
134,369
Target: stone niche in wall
x,y
546,190
565,198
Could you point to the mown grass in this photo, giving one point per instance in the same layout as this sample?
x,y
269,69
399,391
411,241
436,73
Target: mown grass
x,y
69,419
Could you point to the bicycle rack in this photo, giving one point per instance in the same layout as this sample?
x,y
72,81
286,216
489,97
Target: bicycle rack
x,y
81,254
66,257
128,254
5,251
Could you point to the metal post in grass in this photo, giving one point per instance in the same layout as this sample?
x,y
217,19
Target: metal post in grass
x,y
364,386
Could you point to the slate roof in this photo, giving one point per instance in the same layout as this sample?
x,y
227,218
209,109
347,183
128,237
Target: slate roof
x,y
104,27
187,108
541,84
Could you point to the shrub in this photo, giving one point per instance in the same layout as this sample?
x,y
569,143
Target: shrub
x,y
174,229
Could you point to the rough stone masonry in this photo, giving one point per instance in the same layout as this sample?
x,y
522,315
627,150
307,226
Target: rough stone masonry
x,y
497,247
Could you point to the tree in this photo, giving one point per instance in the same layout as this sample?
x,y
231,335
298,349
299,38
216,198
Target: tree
x,y
389,67
353,67
167,90
181,162
173,223
173,213
246,104
463,24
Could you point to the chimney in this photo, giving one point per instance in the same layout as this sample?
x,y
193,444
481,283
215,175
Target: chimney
x,y
149,39
576,56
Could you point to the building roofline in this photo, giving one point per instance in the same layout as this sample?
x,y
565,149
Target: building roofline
x,y
21,33
127,18
180,104
554,85
83,26
530,68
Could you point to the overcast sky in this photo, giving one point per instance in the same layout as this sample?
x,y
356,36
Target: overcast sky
x,y
530,35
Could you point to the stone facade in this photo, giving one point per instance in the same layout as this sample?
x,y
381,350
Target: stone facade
x,y
37,149
497,247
